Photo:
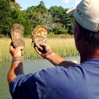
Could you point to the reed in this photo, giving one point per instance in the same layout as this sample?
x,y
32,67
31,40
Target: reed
x,y
4,49
62,46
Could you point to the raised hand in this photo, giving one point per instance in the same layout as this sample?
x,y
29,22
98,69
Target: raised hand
x,y
47,51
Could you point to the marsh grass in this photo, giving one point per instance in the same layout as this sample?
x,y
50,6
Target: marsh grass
x,y
4,49
62,46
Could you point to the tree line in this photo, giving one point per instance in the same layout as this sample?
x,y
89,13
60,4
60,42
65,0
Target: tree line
x,y
54,19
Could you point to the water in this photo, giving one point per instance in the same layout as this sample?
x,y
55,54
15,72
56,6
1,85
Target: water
x,y
4,91
30,66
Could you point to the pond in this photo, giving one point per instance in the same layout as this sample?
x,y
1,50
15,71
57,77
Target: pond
x,y
30,66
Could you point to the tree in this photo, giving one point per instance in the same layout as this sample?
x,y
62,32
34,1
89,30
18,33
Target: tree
x,y
30,9
38,9
42,8
60,17
68,23
5,17
15,5
54,19
35,13
24,20
13,0
58,14
47,21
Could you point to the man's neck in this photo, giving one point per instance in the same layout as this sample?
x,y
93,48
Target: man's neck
x,y
89,54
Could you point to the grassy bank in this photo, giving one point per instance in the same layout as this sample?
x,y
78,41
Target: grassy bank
x,y
62,46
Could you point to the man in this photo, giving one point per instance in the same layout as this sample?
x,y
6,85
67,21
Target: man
x,y
67,80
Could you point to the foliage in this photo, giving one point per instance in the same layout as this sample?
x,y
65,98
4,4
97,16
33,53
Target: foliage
x,y
41,8
57,13
35,13
47,21
5,16
54,19
15,5
60,17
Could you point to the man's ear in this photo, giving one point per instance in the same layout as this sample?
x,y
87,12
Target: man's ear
x,y
78,33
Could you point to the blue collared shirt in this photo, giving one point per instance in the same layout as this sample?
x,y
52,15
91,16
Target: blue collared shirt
x,y
75,82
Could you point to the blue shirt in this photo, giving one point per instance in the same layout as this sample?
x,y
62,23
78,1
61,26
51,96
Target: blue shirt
x,y
75,82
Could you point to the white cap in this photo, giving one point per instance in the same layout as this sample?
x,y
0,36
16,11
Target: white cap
x,y
87,14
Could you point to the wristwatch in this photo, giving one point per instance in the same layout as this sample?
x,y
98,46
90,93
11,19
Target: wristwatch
x,y
16,59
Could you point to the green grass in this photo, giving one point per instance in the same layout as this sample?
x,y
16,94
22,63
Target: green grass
x,y
52,35
4,49
62,46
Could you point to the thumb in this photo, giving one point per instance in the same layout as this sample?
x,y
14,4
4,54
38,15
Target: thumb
x,y
11,48
43,44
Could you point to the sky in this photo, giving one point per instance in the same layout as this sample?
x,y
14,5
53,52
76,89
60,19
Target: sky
x,y
48,3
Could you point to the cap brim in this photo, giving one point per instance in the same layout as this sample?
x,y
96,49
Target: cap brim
x,y
71,11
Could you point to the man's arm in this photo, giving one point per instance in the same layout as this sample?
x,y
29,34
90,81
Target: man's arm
x,y
17,65
53,57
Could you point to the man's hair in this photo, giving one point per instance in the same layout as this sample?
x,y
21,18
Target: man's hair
x,y
91,37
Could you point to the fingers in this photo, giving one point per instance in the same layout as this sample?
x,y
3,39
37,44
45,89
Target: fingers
x,y
40,53
43,45
20,47
11,48
17,48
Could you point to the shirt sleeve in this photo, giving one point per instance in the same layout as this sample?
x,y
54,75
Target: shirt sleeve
x,y
24,87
